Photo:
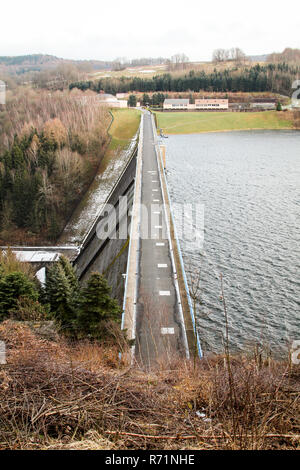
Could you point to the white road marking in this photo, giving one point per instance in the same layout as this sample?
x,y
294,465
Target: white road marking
x,y
164,292
156,212
155,200
154,181
162,265
154,189
160,244
158,226
167,331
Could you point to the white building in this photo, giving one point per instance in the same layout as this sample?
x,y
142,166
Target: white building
x,y
211,104
111,101
176,103
121,96
204,104
263,105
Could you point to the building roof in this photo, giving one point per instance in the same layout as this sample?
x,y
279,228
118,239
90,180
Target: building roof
x,y
264,100
211,100
176,101
107,97
37,256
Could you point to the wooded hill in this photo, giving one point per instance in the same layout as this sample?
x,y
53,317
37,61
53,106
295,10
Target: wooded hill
x,y
40,62
276,78
289,55
50,145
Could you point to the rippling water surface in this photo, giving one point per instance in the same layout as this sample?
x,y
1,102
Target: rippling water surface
x,y
249,185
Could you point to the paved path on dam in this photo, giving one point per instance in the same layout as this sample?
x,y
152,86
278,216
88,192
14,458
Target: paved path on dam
x,y
160,331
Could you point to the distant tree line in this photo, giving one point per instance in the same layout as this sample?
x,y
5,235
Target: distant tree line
x,y
121,63
275,78
26,59
289,55
234,54
156,100
178,62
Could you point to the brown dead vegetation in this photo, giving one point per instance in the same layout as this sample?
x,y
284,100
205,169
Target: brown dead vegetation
x,y
297,119
59,396
66,114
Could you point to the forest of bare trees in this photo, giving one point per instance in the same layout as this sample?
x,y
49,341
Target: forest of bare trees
x,y
289,55
234,54
178,62
50,145
27,108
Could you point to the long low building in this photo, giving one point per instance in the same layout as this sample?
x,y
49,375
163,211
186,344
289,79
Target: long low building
x,y
264,105
211,104
200,104
176,103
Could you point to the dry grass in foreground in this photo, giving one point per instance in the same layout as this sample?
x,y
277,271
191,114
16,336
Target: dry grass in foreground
x,y
57,396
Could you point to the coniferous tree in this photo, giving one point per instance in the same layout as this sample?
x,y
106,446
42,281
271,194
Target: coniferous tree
x,y
58,294
96,306
70,274
13,286
132,101
146,100
62,292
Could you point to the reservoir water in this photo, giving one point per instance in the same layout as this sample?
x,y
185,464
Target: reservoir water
x,y
249,184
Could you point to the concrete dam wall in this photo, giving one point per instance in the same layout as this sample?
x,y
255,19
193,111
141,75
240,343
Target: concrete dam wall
x,y
105,248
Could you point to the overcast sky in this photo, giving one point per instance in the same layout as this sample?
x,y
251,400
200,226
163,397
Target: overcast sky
x,y
98,29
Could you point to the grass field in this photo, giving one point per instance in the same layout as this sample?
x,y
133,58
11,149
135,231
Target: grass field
x,y
148,71
197,122
123,128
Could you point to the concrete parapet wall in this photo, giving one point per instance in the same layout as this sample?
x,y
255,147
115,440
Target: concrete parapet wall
x,y
130,293
187,307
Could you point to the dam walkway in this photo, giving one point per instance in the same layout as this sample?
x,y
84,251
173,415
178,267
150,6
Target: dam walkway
x,y
156,309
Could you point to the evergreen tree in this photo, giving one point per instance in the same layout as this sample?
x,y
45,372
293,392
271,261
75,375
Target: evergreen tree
x,y
70,274
146,100
14,286
95,307
58,294
62,292
17,155
132,101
